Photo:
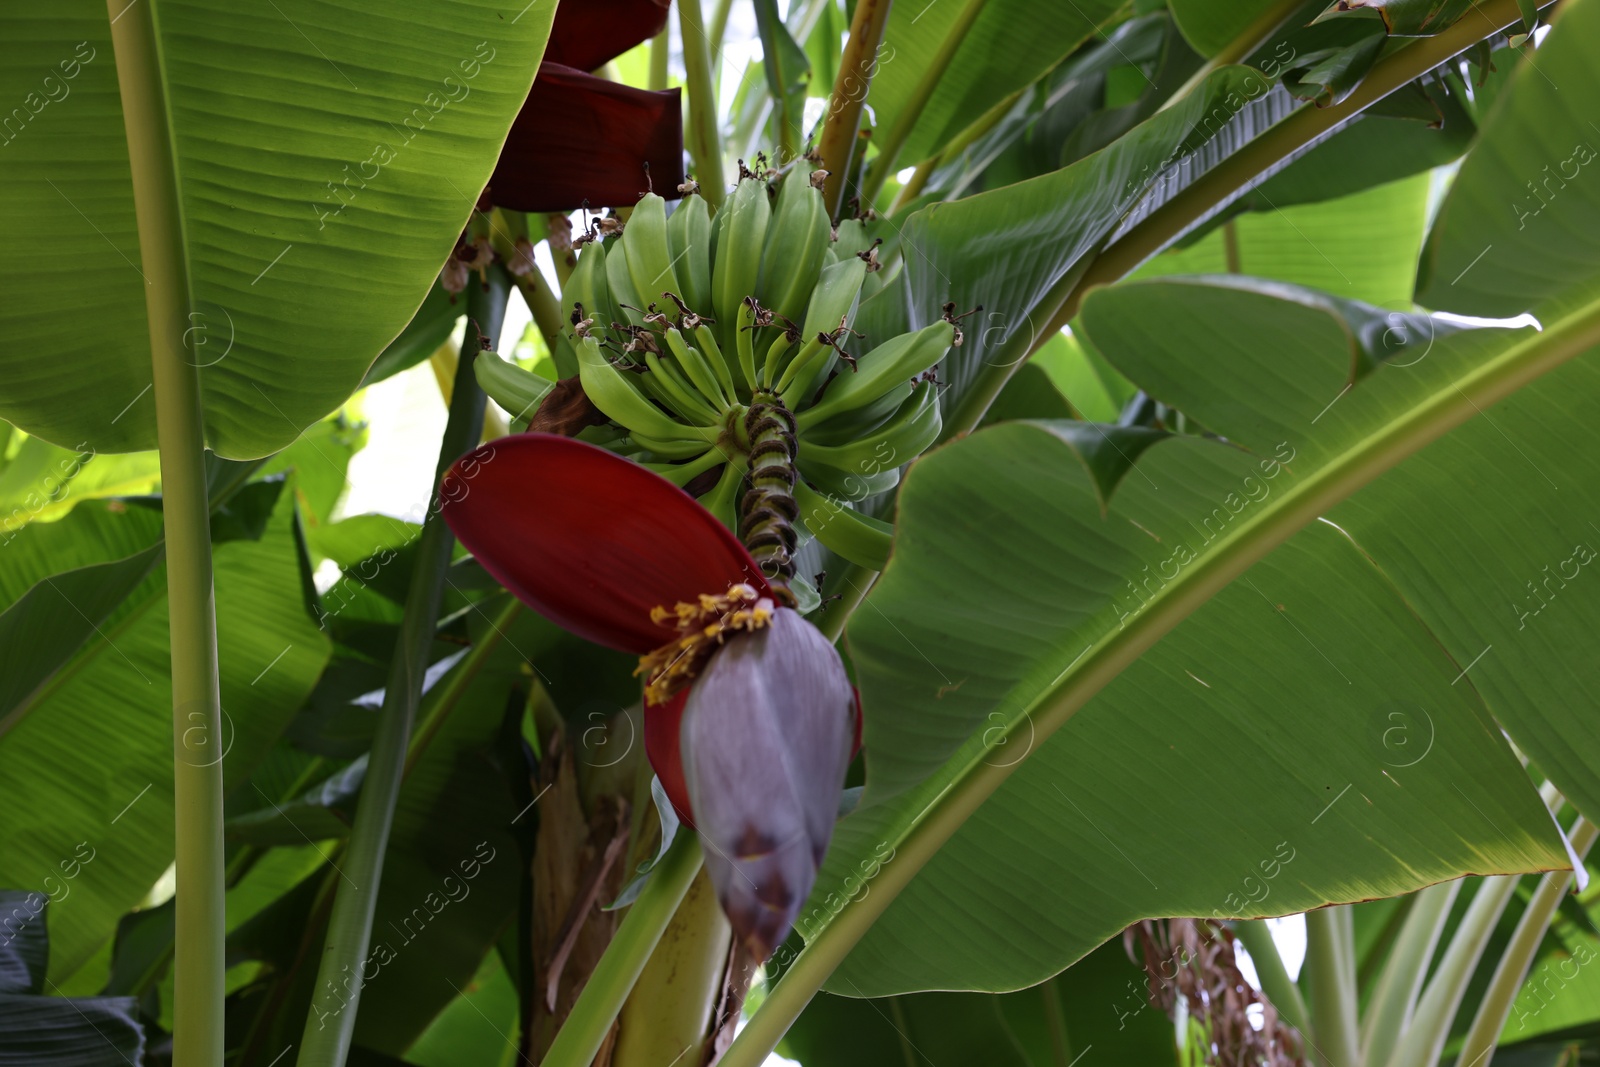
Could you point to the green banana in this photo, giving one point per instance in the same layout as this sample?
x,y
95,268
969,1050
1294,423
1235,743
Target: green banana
x,y
608,434
686,400
619,280
814,352
722,501
862,540
774,361
835,296
718,360
833,303
898,358
850,238
745,340
674,398
681,474
610,390
796,240
849,485
863,420
563,355
699,370
914,427
649,251
588,287
738,261
689,237
666,447
518,391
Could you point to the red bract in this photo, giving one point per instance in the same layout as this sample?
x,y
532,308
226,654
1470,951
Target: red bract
x,y
581,138
590,540
591,33
593,543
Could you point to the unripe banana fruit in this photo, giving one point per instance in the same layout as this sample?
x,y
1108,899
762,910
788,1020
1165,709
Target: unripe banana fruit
x,y
684,320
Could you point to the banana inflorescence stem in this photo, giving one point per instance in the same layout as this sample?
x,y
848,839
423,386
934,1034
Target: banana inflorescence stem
x,y
768,511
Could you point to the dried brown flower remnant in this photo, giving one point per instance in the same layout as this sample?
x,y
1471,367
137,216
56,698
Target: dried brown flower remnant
x,y
1196,959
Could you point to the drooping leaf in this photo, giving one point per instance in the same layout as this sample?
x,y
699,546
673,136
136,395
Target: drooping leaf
x,y
1373,150
94,745
340,149
1517,227
1087,833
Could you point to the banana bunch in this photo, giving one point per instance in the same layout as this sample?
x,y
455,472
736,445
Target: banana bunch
x,y
682,320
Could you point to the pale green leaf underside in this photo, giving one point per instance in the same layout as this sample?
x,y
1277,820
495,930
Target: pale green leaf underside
x,y
91,761
329,155
1522,220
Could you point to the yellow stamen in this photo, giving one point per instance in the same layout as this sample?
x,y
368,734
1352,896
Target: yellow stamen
x,y
703,627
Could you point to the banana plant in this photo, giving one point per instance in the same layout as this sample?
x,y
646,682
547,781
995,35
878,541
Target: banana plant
x,y
795,453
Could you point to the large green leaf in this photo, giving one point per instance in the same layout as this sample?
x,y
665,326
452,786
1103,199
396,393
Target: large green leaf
x,y
90,752
1520,221
1132,808
1011,43
1487,565
328,156
1478,534
1316,668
